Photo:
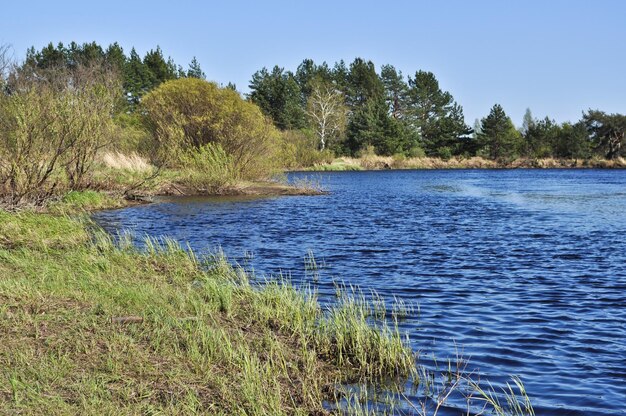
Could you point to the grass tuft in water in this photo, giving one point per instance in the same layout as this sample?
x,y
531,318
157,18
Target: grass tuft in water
x,y
93,325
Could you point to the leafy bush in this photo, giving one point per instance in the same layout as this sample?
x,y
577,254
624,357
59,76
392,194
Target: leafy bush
x,y
190,113
416,151
131,135
300,150
444,153
207,167
50,131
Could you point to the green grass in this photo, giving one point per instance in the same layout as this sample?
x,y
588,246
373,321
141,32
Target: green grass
x,y
209,341
85,200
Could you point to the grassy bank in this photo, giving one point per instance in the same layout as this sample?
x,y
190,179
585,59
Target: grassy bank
x,y
373,162
90,326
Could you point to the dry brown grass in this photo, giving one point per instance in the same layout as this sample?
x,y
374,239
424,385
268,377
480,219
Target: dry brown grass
x,y
373,162
132,162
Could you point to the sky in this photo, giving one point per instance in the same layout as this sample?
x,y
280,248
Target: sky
x,y
556,57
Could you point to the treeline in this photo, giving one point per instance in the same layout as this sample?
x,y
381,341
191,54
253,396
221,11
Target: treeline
x,y
355,108
137,75
63,109
64,106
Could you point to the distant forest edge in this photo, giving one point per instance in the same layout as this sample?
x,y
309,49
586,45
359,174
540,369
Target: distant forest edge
x,y
65,105
352,107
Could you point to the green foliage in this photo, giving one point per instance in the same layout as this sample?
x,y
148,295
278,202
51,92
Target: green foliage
x,y
300,150
131,134
527,123
416,152
418,118
498,136
541,137
434,113
382,110
396,91
207,167
368,125
190,113
573,141
308,74
50,131
158,69
444,153
194,70
115,58
606,131
138,75
278,95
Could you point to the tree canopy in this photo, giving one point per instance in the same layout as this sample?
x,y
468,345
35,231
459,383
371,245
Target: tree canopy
x,y
355,107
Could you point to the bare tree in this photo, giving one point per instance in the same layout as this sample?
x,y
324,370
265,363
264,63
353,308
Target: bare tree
x,y
327,111
6,61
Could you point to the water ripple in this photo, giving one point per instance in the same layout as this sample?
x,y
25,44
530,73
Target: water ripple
x,y
523,270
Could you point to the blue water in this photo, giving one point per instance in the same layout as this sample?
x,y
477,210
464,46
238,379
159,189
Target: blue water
x,y
523,271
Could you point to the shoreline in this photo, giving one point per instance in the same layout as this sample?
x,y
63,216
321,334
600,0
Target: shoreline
x,y
374,163
175,326
163,329
90,200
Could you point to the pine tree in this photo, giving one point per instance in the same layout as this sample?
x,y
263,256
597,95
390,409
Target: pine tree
x,y
606,131
159,70
114,57
137,77
395,91
434,114
498,136
89,54
278,95
194,70
366,102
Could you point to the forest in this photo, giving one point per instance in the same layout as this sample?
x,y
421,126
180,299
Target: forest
x,y
351,107
65,106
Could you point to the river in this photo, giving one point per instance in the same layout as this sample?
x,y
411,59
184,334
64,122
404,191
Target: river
x,y
524,271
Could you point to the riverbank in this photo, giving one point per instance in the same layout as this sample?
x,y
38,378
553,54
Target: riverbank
x,y
391,162
93,326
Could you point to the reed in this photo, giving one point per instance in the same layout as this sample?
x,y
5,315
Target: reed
x,y
205,339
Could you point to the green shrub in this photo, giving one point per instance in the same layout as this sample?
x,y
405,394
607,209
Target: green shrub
x,y
207,167
416,151
300,150
51,130
131,135
190,113
444,153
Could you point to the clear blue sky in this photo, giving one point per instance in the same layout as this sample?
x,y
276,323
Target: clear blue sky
x,y
558,57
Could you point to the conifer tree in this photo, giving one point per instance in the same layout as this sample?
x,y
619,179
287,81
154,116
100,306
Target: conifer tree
x,y
194,70
159,70
114,57
434,114
366,102
395,90
498,135
606,131
278,95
